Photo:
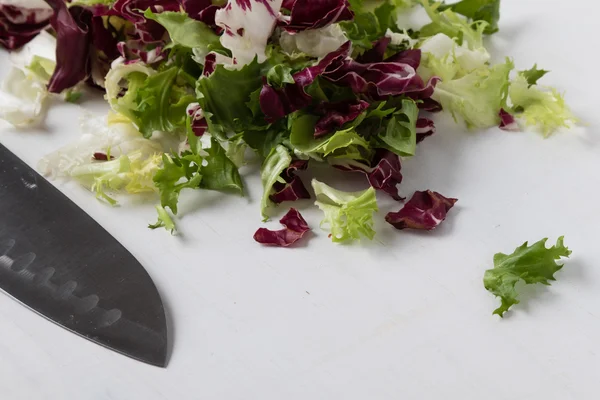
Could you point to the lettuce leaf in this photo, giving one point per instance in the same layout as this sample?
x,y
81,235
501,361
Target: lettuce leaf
x,y
274,165
178,172
542,108
186,31
478,96
348,215
219,172
400,134
478,10
531,264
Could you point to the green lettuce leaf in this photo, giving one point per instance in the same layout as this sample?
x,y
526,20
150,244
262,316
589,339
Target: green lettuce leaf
x,y
224,96
219,172
400,134
164,220
543,108
344,143
276,162
531,264
533,75
478,96
132,173
186,31
478,10
155,103
178,172
348,215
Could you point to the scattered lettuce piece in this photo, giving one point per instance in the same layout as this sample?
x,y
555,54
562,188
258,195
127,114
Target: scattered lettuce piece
x,y
478,10
186,31
164,220
348,215
478,96
532,264
295,228
177,173
545,109
533,75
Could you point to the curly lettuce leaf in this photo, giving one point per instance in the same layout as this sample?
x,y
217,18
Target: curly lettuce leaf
x,y
400,134
277,161
478,96
478,10
178,172
155,102
164,220
544,108
225,95
349,215
219,172
531,264
186,31
132,173
533,75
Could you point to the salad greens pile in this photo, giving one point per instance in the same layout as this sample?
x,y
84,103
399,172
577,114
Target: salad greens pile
x,y
194,84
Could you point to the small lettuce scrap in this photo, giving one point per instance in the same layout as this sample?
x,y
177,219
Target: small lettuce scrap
x,y
544,108
531,264
274,165
295,228
424,211
349,215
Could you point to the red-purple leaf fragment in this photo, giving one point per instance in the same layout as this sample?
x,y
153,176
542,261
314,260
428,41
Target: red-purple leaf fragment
x,y
507,121
18,25
424,211
72,25
99,156
425,128
295,228
334,115
314,14
293,189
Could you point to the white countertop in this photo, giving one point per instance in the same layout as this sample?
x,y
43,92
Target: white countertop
x,y
403,317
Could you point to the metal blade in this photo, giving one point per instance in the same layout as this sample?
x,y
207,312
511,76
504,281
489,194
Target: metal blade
x,y
58,261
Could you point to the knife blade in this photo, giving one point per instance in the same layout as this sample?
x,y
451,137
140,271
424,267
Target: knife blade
x,y
59,262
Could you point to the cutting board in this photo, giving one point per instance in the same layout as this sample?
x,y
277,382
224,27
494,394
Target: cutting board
x,y
403,317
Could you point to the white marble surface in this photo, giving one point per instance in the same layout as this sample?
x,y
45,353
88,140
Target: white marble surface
x,y
404,317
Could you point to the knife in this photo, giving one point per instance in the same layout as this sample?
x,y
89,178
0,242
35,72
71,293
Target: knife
x,y
56,260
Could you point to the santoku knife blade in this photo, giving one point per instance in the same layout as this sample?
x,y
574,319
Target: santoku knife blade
x,y
59,262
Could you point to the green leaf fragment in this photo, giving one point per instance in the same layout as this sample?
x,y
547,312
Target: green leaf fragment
x,y
349,215
531,264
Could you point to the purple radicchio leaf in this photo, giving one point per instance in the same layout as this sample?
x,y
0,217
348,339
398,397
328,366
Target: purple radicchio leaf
x,y
277,103
145,40
334,115
424,211
376,53
295,228
72,25
199,124
18,25
202,10
314,14
100,156
425,128
384,174
394,76
430,105
507,121
293,189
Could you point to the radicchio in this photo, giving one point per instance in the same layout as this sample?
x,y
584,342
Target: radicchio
x,y
507,121
72,25
314,14
198,123
424,211
18,25
425,128
293,189
277,103
384,174
334,115
295,228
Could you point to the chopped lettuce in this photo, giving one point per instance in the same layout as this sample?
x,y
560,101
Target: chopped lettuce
x,y
276,162
531,264
349,215
542,108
